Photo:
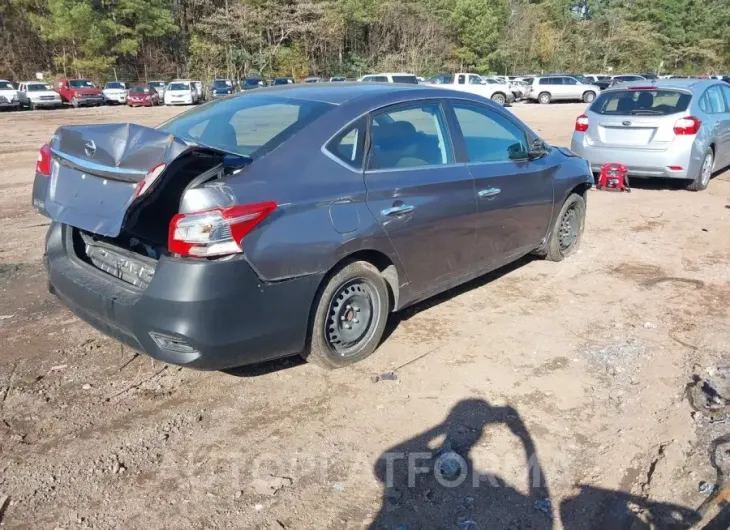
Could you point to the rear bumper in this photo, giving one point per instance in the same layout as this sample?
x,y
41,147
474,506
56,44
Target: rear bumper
x,y
221,309
641,162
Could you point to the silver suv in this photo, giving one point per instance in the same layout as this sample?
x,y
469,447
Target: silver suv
x,y
560,88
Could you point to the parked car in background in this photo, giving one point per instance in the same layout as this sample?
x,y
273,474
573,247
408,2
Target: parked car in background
x,y
670,128
79,92
650,77
560,88
220,87
180,92
338,79
213,266
595,78
143,96
159,87
409,79
198,86
616,79
440,79
482,86
250,83
312,79
9,97
37,94
283,81
517,91
115,92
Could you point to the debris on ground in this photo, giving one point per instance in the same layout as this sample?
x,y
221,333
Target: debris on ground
x,y
544,505
705,488
271,484
387,376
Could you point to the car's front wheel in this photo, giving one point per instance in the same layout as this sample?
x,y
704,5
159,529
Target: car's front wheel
x,y
702,180
567,232
499,99
350,314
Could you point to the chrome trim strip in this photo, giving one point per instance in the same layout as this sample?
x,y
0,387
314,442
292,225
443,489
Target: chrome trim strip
x,y
87,166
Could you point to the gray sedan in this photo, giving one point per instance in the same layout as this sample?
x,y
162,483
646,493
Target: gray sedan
x,y
295,219
675,128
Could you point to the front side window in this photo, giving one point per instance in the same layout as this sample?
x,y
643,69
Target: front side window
x,y
490,137
409,137
569,81
250,126
461,79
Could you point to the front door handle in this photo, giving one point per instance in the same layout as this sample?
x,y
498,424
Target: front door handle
x,y
489,193
400,209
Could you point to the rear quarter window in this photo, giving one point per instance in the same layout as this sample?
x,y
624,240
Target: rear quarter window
x,y
641,102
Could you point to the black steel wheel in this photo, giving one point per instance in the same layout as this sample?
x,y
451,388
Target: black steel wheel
x,y
566,234
350,314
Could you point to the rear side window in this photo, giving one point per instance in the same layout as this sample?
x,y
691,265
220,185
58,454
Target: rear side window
x,y
546,81
488,136
641,102
348,145
408,79
712,101
409,137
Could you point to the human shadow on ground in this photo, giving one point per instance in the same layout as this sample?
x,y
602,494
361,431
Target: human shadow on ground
x,y
433,487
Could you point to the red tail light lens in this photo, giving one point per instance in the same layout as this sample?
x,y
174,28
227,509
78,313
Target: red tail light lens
x,y
216,232
688,125
43,165
581,124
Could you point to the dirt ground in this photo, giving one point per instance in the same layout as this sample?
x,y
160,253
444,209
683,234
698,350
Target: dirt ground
x,y
563,385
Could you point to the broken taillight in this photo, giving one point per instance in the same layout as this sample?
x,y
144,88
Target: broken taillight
x,y
215,232
43,164
149,179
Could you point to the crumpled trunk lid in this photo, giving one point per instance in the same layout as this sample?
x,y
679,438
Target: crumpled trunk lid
x,y
95,170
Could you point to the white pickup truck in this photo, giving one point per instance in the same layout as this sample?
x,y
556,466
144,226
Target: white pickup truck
x,y
476,84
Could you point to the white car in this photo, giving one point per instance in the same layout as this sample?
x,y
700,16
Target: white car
x,y
115,92
9,98
37,94
180,93
560,88
390,78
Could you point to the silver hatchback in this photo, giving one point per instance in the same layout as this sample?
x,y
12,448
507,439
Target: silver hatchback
x,y
673,128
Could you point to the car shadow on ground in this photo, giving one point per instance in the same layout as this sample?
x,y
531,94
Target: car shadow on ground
x,y
430,481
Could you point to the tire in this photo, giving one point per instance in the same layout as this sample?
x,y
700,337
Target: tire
x,y
573,212
75,103
589,97
702,180
499,98
355,290
544,98
31,105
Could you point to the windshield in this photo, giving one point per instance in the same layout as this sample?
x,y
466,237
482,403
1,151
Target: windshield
x,y
81,83
251,82
4,85
641,102
281,81
312,80
338,79
115,84
248,126
140,90
409,79
221,83
160,84
178,86
37,87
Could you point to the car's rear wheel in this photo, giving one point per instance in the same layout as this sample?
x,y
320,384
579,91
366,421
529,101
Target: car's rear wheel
x,y
589,97
703,178
499,99
350,314
544,98
567,232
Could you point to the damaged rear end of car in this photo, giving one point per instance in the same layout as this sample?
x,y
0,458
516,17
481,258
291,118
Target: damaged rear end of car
x,y
145,244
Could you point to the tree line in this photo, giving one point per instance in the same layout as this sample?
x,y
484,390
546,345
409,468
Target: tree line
x,y
148,39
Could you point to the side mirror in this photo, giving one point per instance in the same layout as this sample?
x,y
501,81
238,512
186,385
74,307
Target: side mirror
x,y
538,149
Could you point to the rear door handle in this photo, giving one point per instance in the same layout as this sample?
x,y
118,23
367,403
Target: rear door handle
x,y
488,193
400,209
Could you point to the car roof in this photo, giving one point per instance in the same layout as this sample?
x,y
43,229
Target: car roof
x,y
337,94
681,84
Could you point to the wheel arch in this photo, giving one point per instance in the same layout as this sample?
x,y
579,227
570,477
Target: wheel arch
x,y
376,258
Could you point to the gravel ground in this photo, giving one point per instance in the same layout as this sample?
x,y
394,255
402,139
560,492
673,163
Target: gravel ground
x,y
558,389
